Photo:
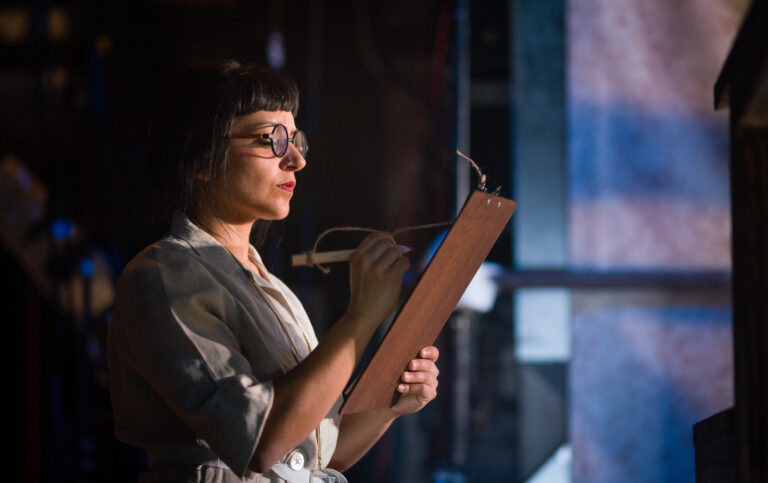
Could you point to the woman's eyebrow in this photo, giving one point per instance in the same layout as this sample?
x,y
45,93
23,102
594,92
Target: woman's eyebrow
x,y
253,127
249,128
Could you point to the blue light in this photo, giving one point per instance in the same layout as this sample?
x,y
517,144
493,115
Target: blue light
x,y
86,267
62,228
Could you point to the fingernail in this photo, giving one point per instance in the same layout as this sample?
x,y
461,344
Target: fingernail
x,y
402,388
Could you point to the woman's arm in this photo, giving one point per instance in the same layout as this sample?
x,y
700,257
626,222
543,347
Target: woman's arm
x,y
360,431
305,395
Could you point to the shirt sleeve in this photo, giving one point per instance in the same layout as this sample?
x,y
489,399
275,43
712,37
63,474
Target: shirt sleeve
x,y
172,317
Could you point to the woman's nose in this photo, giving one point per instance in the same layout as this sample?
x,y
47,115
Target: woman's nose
x,y
292,160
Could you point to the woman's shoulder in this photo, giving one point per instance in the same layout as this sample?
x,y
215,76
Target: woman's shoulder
x,y
168,258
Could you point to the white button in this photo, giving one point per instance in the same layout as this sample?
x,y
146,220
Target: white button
x,y
296,460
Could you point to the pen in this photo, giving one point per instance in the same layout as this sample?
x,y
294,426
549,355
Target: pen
x,y
303,259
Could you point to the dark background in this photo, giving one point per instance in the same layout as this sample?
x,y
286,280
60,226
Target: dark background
x,y
78,86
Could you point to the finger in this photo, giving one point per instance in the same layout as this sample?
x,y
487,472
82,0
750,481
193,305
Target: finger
x,y
420,378
401,266
390,257
430,352
425,392
371,240
423,365
372,254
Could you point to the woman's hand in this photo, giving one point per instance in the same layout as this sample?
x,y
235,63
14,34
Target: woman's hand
x,y
419,384
305,394
359,431
375,275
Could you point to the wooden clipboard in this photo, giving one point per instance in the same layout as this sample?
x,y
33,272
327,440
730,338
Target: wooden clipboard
x,y
432,301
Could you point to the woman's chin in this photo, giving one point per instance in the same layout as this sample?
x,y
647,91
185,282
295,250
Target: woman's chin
x,y
275,215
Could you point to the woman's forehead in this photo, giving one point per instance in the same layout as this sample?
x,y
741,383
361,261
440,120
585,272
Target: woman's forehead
x,y
260,118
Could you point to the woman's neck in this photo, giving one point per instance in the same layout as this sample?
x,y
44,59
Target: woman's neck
x,y
234,236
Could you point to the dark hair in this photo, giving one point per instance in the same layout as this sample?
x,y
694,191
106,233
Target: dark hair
x,y
189,137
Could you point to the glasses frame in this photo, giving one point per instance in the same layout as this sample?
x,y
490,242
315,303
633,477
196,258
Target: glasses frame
x,y
271,138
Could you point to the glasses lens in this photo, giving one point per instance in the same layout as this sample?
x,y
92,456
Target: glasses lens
x,y
279,140
300,141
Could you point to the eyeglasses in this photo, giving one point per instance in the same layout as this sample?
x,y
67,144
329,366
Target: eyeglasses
x,y
278,139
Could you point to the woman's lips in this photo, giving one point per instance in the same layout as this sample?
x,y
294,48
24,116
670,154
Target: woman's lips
x,y
287,186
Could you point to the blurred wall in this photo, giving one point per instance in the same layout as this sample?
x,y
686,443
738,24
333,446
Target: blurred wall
x,y
649,190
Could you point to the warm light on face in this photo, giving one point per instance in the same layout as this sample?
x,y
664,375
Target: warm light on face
x,y
263,162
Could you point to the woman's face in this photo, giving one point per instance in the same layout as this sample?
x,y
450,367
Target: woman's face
x,y
259,185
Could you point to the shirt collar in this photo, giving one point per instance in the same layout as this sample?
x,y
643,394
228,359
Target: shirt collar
x,y
206,246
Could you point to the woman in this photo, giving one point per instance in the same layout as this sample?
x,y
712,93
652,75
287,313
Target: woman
x,y
214,367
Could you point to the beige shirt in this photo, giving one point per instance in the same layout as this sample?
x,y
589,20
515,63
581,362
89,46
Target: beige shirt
x,y
194,343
